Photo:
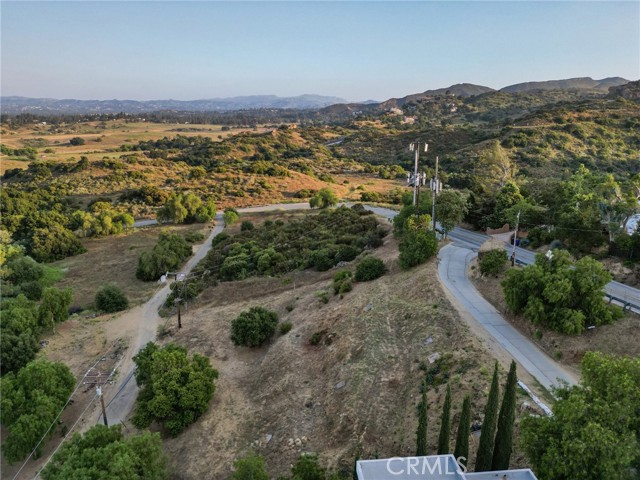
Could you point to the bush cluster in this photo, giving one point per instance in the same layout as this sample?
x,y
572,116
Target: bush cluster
x,y
369,269
254,327
111,299
316,241
493,261
342,282
416,247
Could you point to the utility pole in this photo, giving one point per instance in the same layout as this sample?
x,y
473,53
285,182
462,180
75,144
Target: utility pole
x,y
435,189
104,410
515,238
415,147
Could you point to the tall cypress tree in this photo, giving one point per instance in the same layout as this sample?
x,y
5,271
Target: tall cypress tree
x,y
461,452
421,432
445,424
504,436
488,432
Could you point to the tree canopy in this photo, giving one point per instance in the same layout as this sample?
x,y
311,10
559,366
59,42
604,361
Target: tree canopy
x,y
103,453
553,294
31,401
175,389
594,432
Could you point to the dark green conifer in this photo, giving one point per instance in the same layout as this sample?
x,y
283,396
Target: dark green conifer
x,y
461,452
445,424
504,436
421,432
488,432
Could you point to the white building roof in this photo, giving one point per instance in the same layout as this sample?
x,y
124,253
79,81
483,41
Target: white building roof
x,y
434,467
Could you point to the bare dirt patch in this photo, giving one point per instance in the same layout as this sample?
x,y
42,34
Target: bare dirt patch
x,y
619,338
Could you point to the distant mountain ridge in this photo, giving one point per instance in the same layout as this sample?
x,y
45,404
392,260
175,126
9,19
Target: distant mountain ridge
x,y
325,104
14,105
580,83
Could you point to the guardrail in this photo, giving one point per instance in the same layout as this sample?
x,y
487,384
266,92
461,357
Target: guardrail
x,y
626,306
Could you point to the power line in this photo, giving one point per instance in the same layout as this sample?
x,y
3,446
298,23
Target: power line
x,y
97,394
80,382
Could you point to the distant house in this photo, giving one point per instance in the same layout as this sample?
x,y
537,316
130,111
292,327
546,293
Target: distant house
x,y
434,467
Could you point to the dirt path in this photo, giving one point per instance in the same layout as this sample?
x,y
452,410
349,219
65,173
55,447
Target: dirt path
x,y
121,398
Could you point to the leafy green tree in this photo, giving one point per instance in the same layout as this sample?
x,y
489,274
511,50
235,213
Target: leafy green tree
x,y
173,210
594,432
230,216
508,196
175,390
487,434
250,467
31,401
19,332
324,198
54,307
77,141
110,299
307,467
167,255
54,243
461,451
445,424
369,268
254,327
504,435
421,432
451,208
24,269
416,247
104,453
493,261
553,294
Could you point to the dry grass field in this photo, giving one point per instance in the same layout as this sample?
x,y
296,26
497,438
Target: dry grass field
x,y
113,259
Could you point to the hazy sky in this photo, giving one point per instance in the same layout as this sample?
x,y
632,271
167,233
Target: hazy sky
x,y
356,50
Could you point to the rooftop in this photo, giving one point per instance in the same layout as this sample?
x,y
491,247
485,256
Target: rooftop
x,y
434,467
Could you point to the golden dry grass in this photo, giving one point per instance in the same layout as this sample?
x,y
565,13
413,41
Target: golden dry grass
x,y
113,259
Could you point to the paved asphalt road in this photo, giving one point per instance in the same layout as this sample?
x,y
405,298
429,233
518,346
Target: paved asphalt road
x,y
452,270
473,240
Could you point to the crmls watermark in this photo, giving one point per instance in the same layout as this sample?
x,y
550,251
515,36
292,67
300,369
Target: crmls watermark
x,y
422,465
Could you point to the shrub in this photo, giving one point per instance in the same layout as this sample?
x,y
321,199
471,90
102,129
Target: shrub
x,y
493,261
254,327
325,198
76,141
322,260
342,282
285,328
194,237
369,268
246,226
110,299
417,247
230,216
